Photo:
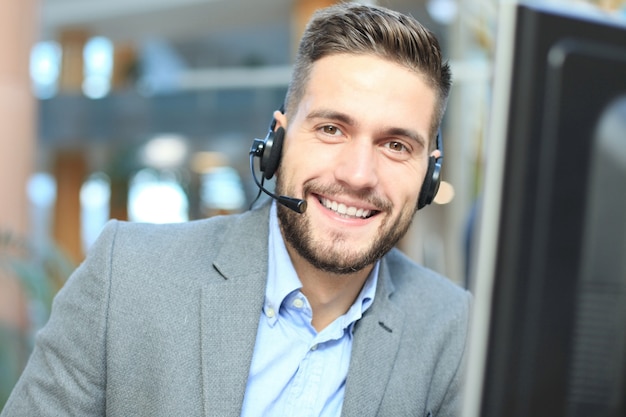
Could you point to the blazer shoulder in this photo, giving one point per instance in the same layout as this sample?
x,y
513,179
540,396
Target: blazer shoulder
x,y
178,248
423,287
196,233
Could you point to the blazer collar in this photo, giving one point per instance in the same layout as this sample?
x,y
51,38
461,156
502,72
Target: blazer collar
x,y
245,245
231,303
376,341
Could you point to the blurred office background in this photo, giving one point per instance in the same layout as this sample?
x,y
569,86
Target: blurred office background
x,y
144,110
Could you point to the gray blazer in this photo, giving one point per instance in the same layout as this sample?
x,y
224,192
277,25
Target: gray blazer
x,y
162,320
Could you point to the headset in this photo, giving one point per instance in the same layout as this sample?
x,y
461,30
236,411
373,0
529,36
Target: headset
x,y
269,151
432,179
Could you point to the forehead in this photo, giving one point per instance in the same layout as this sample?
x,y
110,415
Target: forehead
x,y
370,88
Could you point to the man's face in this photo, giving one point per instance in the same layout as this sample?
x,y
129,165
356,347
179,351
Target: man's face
x,y
357,150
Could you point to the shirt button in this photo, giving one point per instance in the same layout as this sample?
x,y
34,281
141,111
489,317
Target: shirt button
x,y
314,347
298,303
270,312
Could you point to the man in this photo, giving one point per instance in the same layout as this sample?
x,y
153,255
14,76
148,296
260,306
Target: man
x,y
274,312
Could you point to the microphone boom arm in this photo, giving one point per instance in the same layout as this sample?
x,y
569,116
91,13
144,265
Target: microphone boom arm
x,y
295,204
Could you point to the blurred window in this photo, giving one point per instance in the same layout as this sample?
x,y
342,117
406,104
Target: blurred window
x,y
222,190
42,194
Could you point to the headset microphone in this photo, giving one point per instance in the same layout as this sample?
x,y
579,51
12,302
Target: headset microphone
x,y
258,149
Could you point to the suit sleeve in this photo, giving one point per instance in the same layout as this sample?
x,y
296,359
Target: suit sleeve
x,y
453,401
66,372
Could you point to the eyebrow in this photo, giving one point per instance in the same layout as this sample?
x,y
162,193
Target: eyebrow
x,y
346,119
332,115
408,133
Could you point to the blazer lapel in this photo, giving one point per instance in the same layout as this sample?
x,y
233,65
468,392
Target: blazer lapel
x,y
231,306
376,340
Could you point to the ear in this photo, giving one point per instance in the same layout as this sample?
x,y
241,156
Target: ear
x,y
436,154
281,119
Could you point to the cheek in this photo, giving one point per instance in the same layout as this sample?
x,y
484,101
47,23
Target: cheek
x,y
301,162
289,163
403,183
294,170
286,159
407,196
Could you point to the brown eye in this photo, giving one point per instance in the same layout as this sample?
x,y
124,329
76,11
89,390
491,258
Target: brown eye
x,y
397,146
330,130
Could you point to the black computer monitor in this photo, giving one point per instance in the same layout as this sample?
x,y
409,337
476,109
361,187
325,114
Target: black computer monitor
x,y
549,269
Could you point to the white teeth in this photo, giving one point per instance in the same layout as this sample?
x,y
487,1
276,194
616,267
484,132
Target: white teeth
x,y
344,210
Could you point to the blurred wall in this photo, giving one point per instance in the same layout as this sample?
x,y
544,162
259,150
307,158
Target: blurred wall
x,y
17,110
17,147
17,138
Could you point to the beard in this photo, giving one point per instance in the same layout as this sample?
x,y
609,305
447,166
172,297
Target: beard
x,y
334,253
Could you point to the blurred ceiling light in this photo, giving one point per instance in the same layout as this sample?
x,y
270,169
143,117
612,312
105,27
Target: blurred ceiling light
x,y
42,189
95,198
95,191
442,11
445,193
154,199
98,67
165,151
45,68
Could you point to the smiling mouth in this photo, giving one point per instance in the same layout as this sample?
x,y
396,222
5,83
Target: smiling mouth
x,y
347,211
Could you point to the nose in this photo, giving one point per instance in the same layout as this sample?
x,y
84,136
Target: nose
x,y
356,165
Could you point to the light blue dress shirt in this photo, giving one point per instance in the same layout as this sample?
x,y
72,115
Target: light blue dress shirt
x,y
295,370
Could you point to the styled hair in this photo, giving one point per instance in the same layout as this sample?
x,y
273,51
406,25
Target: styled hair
x,y
352,28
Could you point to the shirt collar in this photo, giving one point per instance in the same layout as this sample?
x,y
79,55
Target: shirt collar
x,y
282,278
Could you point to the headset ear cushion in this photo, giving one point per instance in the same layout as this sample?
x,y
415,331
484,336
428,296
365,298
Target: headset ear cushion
x,y
272,152
431,183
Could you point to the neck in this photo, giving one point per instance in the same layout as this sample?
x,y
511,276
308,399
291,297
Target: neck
x,y
330,295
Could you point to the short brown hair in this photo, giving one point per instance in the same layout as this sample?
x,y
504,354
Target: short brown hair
x,y
354,28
